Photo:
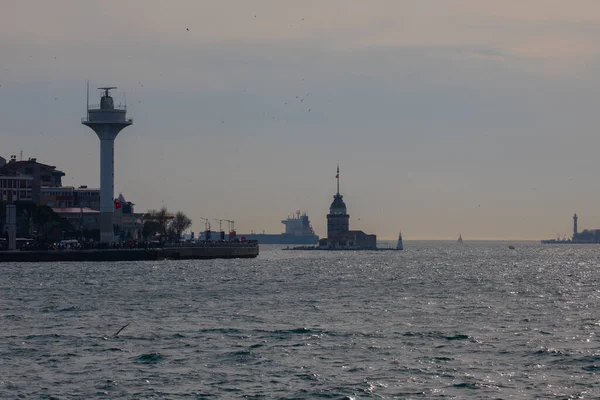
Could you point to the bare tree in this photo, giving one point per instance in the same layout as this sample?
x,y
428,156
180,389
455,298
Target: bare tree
x,y
160,221
162,217
180,223
150,229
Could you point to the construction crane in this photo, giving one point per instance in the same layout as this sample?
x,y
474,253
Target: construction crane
x,y
220,222
231,225
206,223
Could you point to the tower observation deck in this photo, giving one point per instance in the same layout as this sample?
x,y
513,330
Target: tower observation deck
x,y
106,120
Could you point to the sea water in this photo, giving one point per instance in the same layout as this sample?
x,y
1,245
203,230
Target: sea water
x,y
437,320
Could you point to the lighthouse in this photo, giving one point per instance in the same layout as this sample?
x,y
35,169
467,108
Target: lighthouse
x,y
107,120
338,220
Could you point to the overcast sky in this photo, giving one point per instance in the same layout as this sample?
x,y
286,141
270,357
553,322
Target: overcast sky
x,y
446,117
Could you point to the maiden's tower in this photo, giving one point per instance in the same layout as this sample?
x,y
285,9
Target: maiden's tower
x,y
339,235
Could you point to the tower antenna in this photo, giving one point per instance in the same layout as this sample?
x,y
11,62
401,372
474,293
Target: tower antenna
x,y
107,90
87,100
338,178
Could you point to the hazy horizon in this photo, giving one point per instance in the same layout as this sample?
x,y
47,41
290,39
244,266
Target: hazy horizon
x,y
446,117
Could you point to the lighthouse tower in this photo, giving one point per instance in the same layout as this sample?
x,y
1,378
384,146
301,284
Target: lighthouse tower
x,y
107,121
575,226
338,220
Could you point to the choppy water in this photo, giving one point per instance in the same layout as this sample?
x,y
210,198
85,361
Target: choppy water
x,y
439,320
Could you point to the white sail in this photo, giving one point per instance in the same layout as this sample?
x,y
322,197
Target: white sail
x,y
460,240
400,245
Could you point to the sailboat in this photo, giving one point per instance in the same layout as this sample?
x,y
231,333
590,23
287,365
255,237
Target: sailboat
x,y
400,246
460,238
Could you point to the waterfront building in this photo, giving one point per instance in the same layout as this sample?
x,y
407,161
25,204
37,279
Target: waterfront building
x,y
80,218
87,197
130,224
16,188
57,197
42,174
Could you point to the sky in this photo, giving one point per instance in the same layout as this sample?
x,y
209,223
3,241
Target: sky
x,y
446,117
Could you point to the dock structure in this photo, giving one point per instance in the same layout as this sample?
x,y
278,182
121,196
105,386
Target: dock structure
x,y
106,120
183,252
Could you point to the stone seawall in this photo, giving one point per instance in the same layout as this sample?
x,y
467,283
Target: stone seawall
x,y
169,253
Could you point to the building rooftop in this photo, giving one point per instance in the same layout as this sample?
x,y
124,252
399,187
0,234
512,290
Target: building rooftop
x,y
74,210
15,175
14,165
56,187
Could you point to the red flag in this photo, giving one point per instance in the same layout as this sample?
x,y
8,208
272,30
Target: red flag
x,y
117,205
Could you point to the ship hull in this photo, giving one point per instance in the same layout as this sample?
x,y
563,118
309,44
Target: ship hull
x,y
266,238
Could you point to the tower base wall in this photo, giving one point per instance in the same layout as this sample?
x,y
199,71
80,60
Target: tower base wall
x,y
107,233
11,226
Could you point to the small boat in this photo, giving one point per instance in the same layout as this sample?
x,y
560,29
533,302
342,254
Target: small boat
x,y
460,238
400,245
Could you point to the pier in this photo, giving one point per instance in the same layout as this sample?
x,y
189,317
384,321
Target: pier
x,y
183,252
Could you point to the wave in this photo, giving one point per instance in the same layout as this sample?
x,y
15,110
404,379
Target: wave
x,y
150,358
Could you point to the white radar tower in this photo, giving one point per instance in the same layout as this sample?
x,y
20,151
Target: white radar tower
x,y
107,121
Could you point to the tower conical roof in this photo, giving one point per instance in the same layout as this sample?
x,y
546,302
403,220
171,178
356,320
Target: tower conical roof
x,y
338,202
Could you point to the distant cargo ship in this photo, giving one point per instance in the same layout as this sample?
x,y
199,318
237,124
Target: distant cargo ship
x,y
298,230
